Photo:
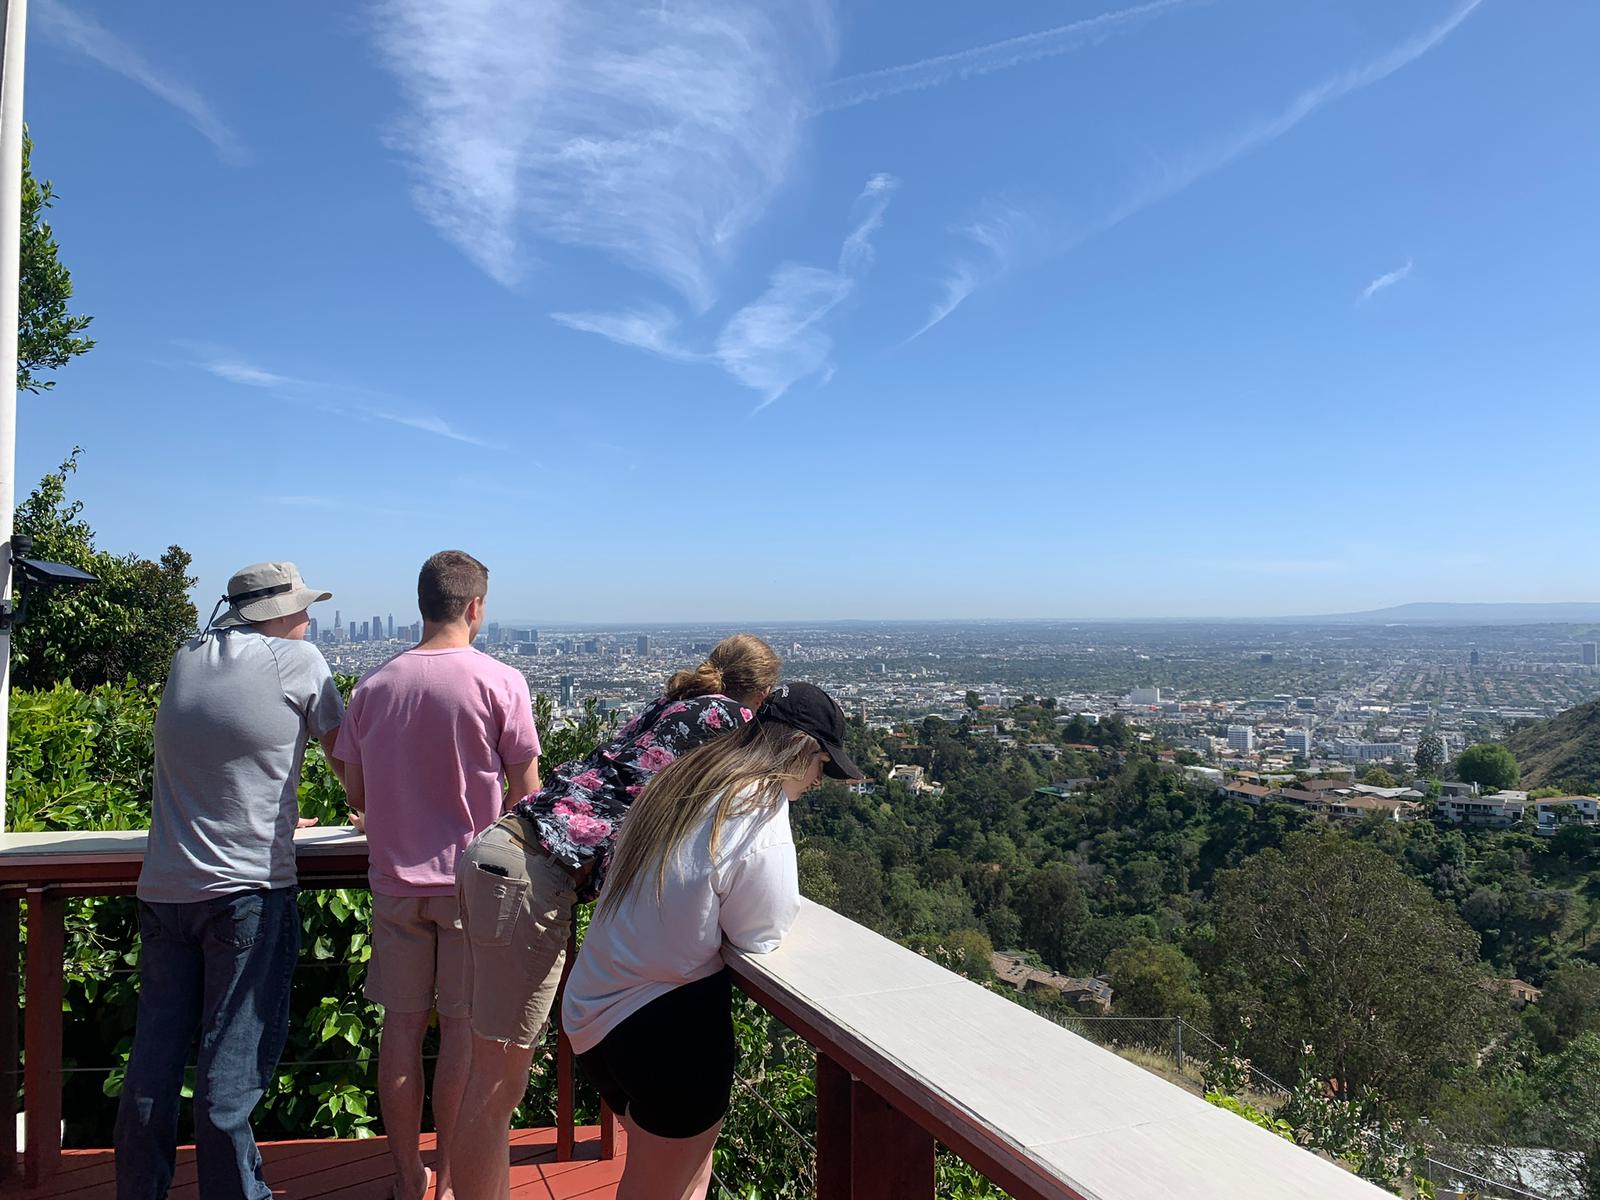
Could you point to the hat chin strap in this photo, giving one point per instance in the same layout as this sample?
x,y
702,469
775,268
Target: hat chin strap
x,y
206,632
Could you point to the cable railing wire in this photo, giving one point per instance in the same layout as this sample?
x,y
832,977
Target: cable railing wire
x,y
807,1142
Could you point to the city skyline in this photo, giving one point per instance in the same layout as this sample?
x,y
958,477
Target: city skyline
x,y
1167,310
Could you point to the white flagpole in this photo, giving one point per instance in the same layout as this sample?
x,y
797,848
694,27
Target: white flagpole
x,y
13,34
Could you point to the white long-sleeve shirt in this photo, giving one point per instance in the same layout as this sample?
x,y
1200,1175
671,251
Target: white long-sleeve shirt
x,y
641,950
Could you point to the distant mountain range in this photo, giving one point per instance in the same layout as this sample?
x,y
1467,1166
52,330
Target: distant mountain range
x,y
1470,614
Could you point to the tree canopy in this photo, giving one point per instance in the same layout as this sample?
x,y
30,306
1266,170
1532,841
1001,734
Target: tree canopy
x,y
48,335
1153,979
1328,944
127,626
1489,765
1430,756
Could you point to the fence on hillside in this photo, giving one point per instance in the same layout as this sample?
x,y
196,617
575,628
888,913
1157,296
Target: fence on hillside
x,y
1176,1049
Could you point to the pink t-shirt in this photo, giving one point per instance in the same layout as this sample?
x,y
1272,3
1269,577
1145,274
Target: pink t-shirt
x,y
431,730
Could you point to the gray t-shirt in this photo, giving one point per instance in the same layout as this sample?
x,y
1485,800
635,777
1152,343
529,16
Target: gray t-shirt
x,y
231,732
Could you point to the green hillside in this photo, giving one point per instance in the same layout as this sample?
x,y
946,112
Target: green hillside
x,y
1561,752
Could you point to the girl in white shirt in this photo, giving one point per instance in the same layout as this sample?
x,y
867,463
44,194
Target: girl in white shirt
x,y
705,854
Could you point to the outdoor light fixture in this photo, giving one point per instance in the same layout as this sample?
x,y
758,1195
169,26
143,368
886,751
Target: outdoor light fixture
x,y
36,574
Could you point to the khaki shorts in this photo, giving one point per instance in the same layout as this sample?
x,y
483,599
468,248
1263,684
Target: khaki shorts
x,y
419,957
516,911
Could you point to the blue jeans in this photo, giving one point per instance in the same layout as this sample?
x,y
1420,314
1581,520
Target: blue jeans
x,y
221,967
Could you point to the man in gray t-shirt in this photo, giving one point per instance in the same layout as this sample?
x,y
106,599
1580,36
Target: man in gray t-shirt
x,y
218,920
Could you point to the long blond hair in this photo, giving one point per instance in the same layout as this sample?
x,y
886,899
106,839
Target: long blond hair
x,y
740,665
743,773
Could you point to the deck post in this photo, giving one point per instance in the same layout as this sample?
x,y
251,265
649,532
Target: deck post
x,y
41,1059
608,1132
833,1130
566,1132
10,997
891,1156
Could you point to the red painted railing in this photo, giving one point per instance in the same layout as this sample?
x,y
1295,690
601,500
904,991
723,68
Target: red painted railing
x,y
38,874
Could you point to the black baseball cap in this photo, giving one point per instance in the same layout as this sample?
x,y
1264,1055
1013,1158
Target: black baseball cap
x,y
811,710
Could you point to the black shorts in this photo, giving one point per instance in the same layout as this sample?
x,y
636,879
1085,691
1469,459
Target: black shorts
x,y
669,1066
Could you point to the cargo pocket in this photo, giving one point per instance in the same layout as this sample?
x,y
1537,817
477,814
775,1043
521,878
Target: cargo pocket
x,y
493,904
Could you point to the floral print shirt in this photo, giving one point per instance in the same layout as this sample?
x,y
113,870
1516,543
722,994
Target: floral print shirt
x,y
579,810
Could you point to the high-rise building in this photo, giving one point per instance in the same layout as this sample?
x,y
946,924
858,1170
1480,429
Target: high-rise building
x,y
1591,654
338,625
391,627
592,646
644,645
493,630
1298,741
377,628
366,632
566,691
311,630
1145,695
1474,660
1242,737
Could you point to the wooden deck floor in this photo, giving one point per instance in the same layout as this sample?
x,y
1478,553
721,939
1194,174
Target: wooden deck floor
x,y
353,1170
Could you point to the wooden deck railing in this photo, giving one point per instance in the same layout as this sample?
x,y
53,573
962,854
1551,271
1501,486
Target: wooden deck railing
x,y
41,871
909,1055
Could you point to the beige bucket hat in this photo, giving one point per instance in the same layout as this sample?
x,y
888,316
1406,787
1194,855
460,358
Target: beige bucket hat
x,y
265,590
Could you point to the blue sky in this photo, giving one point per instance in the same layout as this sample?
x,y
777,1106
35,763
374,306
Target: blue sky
x,y
693,310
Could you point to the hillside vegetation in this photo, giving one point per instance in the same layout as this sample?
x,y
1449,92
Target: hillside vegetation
x,y
1562,752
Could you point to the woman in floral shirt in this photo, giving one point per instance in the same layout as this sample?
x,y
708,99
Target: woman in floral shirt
x,y
577,813
518,883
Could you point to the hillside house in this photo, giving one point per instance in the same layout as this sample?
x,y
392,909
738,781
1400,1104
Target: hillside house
x,y
1090,996
1558,812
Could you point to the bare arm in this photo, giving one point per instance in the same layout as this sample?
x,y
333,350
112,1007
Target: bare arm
x,y
522,779
355,790
329,740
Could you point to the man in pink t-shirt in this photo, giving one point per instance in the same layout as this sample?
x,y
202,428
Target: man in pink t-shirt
x,y
425,742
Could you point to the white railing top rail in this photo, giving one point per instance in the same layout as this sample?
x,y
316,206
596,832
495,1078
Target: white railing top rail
x,y
1042,1111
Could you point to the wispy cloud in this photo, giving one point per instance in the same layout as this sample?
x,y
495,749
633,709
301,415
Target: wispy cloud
x,y
649,327
1387,280
781,338
981,60
334,397
1194,167
777,339
654,133
992,241
250,375
428,423
1210,159
58,23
